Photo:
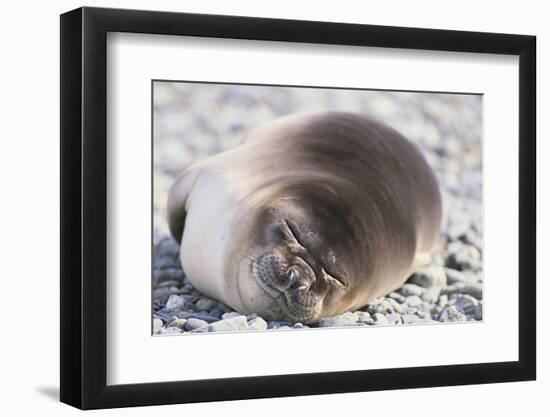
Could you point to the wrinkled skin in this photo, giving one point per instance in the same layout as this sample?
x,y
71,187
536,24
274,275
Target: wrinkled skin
x,y
297,266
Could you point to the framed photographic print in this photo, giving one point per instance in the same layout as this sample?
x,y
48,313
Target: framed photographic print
x,y
282,208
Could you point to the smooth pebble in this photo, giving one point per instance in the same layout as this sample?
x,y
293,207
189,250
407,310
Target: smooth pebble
x,y
238,323
194,323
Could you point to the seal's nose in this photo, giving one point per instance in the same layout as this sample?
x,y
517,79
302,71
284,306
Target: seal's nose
x,y
293,276
297,280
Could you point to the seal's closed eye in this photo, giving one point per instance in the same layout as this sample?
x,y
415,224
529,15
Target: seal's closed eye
x,y
291,236
332,280
283,232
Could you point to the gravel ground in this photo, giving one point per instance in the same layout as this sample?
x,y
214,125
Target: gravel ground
x,y
194,121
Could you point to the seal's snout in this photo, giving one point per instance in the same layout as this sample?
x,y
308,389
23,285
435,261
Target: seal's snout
x,y
292,285
271,270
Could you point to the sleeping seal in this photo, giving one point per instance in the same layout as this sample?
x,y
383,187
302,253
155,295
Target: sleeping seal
x,y
313,215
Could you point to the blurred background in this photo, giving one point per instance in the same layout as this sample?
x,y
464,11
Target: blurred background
x,y
193,121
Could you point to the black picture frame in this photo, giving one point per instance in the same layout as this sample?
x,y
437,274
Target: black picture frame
x,y
84,207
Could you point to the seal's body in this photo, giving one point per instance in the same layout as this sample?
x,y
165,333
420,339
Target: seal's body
x,y
312,216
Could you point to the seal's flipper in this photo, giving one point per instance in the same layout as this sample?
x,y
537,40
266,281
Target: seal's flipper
x,y
177,202
421,260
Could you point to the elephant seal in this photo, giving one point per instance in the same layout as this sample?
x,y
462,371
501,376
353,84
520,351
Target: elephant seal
x,y
313,215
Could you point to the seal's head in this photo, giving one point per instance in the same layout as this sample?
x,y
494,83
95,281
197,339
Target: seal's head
x,y
300,258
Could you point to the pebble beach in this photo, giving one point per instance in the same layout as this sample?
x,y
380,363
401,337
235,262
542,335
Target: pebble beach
x,y
194,121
